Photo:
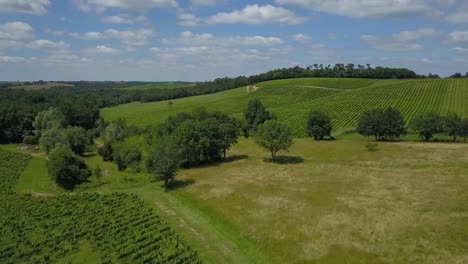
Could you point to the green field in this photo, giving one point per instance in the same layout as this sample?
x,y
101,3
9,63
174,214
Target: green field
x,y
168,85
292,99
327,202
40,227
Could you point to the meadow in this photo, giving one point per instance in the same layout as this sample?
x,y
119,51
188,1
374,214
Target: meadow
x,y
292,99
325,202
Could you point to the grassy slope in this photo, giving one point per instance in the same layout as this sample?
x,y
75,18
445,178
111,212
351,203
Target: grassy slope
x,y
291,100
332,202
272,94
169,85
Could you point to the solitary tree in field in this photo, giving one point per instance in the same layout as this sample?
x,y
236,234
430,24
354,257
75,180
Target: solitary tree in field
x,y
428,124
65,168
274,136
256,114
395,125
164,160
318,125
372,123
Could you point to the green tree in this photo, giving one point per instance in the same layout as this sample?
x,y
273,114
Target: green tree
x,y
164,160
229,133
464,129
65,168
97,172
50,138
428,124
127,155
318,125
452,125
115,131
77,139
51,118
106,151
274,137
372,123
395,125
256,114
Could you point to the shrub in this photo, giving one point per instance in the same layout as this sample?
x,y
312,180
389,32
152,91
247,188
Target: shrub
x,y
65,168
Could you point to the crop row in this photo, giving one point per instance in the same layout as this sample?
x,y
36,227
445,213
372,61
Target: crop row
x,y
119,227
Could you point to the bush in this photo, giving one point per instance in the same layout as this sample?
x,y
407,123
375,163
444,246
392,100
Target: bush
x,y
106,151
65,168
126,155
372,145
29,140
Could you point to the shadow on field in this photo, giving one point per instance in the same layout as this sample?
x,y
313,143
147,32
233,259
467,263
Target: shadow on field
x,y
228,159
286,160
179,184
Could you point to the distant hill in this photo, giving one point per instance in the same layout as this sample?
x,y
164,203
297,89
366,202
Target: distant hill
x,y
164,85
292,99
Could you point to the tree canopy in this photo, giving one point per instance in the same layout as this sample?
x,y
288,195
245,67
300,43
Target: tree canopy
x,y
318,125
164,159
274,136
65,168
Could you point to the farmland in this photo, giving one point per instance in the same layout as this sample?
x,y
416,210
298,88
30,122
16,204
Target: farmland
x,y
43,228
291,100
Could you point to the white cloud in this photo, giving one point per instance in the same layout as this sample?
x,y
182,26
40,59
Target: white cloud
x,y
389,44
460,49
137,37
203,2
102,49
458,36
189,38
137,5
409,35
189,20
16,30
460,17
9,59
124,19
47,44
257,14
301,38
367,8
426,60
33,7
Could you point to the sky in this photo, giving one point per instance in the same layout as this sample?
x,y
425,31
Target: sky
x,y
198,40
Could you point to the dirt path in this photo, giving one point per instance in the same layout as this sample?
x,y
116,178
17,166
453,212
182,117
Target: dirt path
x,y
252,88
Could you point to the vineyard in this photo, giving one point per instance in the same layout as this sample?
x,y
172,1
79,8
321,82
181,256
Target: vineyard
x,y
88,228
292,99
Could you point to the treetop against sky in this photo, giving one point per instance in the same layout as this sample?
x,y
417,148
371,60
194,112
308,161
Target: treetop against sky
x,y
196,40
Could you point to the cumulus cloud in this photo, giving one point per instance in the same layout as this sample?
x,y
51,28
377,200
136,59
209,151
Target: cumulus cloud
x,y
189,20
458,36
204,39
257,14
460,17
401,41
368,9
47,44
301,38
136,37
203,2
16,30
102,49
137,5
33,7
124,19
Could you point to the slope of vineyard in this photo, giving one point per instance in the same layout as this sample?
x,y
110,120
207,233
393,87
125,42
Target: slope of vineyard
x,y
272,94
410,97
84,228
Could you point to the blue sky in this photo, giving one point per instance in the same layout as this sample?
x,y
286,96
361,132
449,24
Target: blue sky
x,y
196,40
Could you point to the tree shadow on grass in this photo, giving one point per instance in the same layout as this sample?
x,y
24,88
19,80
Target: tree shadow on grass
x,y
286,160
179,184
228,159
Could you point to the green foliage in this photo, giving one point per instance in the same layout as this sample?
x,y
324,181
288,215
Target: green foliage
x,y
164,159
274,136
78,139
120,228
97,172
51,138
65,168
453,125
49,119
201,136
428,124
256,114
126,155
372,145
382,124
318,125
30,140
115,131
106,151
464,128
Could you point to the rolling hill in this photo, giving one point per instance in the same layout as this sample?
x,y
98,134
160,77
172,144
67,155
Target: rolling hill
x,y
292,99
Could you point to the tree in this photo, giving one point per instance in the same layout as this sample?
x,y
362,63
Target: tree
x,y
97,172
51,118
229,134
318,125
106,151
126,155
274,136
428,124
464,129
65,168
452,125
115,131
395,125
372,123
256,114
77,139
50,138
164,160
